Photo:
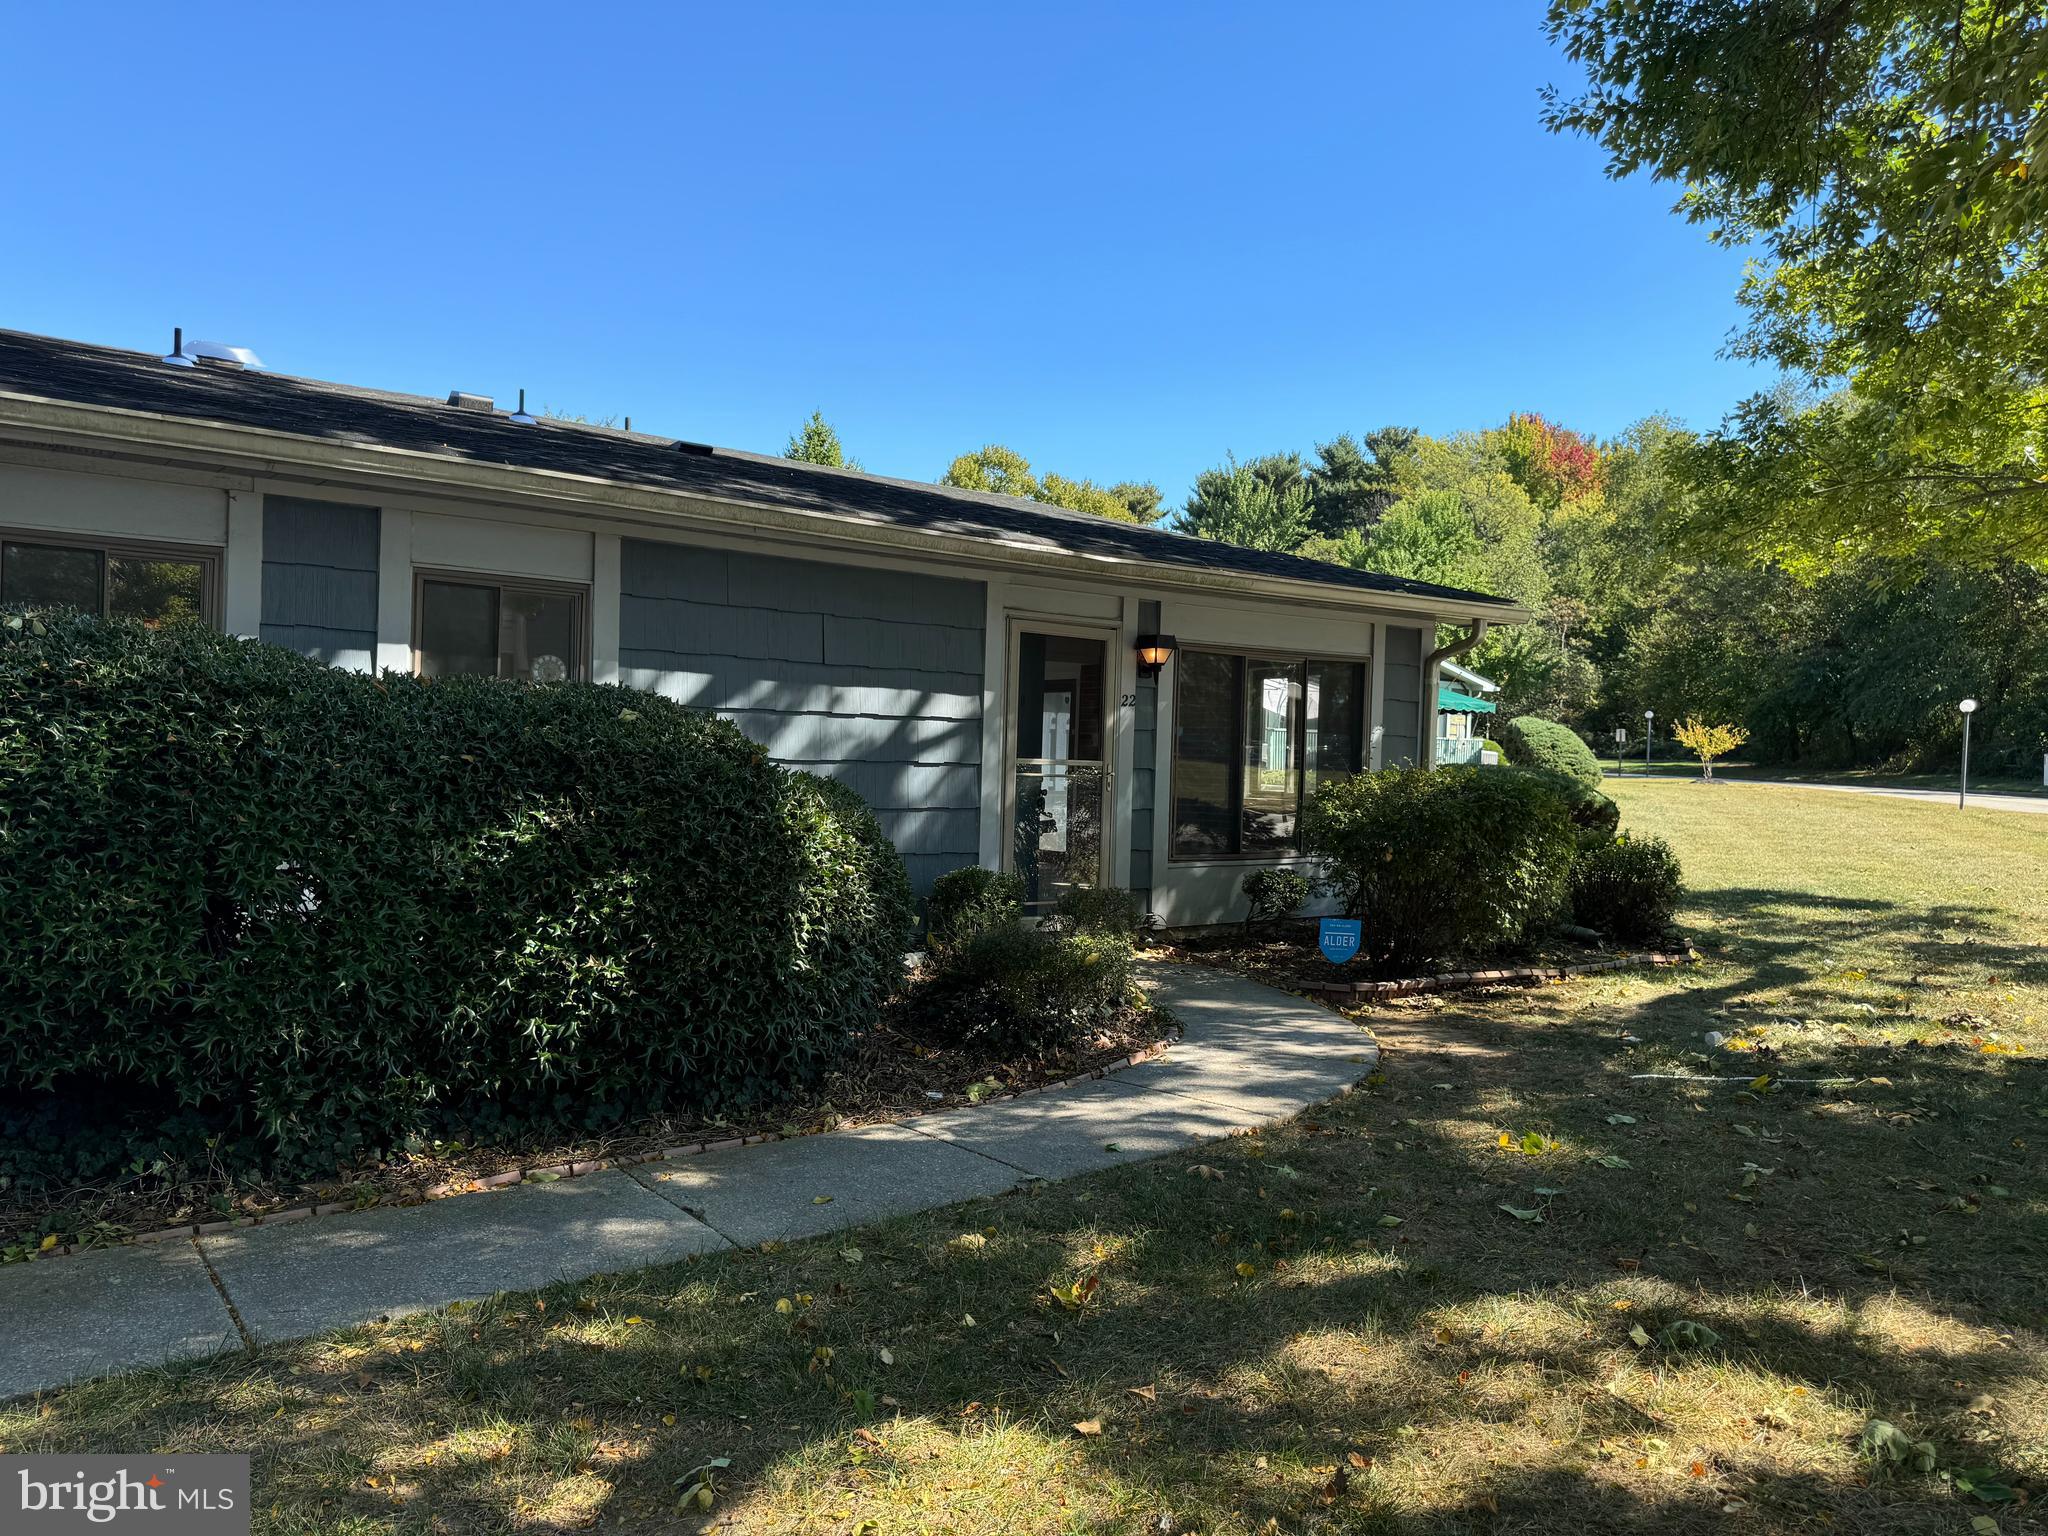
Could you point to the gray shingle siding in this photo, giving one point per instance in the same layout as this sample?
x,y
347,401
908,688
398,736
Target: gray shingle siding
x,y
869,677
1402,698
320,580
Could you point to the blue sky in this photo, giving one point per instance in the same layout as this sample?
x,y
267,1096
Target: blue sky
x,y
1122,239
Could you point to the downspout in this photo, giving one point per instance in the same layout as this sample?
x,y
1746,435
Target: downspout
x,y
1444,653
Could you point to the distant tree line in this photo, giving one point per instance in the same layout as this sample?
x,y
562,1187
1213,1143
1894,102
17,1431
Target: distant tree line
x,y
1859,664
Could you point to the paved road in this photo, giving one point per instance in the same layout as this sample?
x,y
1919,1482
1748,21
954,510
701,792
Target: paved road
x,y
1978,802
1249,1055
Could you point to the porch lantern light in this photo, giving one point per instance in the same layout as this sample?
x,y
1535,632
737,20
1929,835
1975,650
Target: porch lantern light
x,y
1154,652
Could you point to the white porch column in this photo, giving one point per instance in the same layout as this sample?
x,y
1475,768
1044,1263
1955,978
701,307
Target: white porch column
x,y
394,591
604,608
242,569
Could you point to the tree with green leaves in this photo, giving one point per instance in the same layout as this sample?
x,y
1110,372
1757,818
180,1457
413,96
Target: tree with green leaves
x,y
1352,483
1250,505
1889,159
815,442
1217,498
1006,472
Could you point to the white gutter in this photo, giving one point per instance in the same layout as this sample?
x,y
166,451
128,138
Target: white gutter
x,y
260,451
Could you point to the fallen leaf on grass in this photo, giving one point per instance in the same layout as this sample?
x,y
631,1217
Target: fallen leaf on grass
x,y
1521,1215
1076,1296
966,1243
1621,1119
1639,1336
1088,1427
1390,1221
1204,1171
1247,1270
1885,1442
1613,1161
1149,1394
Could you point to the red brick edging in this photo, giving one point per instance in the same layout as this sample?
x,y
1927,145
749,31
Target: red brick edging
x,y
1412,986
549,1173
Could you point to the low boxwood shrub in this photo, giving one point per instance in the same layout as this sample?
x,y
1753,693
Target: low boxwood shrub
x,y
998,982
1100,911
1536,743
284,916
1441,862
965,901
1627,887
1273,894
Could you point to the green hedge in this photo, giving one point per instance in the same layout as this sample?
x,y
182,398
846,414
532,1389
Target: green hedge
x,y
1441,862
282,915
1627,886
1534,743
995,981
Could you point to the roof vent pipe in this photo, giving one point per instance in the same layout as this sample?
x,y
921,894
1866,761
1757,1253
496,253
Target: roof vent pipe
x,y
520,415
176,356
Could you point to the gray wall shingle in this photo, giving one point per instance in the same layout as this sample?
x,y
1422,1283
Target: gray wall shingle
x,y
1402,697
320,580
869,677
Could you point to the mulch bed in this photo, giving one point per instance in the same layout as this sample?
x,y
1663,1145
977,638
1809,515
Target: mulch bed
x,y
890,1071
1286,956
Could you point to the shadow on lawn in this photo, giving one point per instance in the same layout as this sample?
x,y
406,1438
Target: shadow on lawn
x,y
1848,1247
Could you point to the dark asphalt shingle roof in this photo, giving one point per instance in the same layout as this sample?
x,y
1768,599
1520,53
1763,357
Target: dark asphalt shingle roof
x,y
85,374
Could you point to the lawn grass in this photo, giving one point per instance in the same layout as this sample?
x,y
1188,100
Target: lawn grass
x,y
1345,1331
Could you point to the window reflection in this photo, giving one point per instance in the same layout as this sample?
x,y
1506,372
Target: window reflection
x,y
1253,738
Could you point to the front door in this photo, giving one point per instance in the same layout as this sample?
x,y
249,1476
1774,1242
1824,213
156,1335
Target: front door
x,y
1059,756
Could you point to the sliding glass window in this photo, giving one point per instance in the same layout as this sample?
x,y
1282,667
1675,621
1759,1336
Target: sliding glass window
x,y
1253,737
494,629
152,586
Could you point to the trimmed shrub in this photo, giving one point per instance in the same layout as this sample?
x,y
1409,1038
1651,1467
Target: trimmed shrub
x,y
1273,894
1593,811
1628,887
1440,862
286,916
1101,911
1534,743
1010,986
965,901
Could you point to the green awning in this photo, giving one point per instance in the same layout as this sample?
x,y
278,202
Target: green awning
x,y
1457,703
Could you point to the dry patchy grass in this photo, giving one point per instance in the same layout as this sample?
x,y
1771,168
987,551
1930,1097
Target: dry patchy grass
x,y
1347,1331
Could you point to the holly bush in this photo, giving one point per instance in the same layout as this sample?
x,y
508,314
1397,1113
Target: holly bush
x,y
261,911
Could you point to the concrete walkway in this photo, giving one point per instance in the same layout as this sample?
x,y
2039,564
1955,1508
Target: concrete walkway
x,y
1249,1055
1978,802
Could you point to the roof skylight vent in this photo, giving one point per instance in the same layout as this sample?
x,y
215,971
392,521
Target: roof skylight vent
x,y
221,355
462,399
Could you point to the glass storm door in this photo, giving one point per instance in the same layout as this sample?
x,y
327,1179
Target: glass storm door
x,y
1060,764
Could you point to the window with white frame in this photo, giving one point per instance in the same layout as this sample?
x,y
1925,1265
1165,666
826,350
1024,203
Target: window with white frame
x,y
469,626
155,584
1253,738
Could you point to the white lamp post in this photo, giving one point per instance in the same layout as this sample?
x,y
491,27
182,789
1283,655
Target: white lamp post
x,y
1649,728
1969,708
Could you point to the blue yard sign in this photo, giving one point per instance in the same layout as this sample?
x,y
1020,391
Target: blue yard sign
x,y
1338,938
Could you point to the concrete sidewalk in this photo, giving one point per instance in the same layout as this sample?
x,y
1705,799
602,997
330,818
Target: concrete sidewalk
x,y
1250,1055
